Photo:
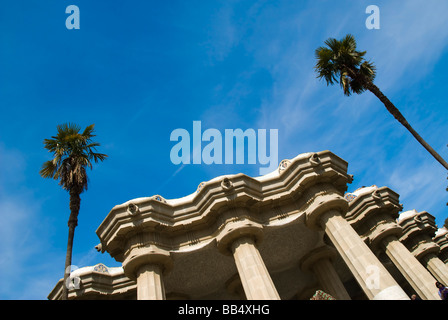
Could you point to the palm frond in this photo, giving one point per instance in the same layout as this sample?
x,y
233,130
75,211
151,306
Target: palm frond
x,y
368,70
48,169
345,83
88,131
339,61
72,153
325,67
356,87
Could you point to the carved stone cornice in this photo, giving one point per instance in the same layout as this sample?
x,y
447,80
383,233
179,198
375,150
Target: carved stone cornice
x,y
142,255
417,223
418,230
441,238
302,186
373,215
367,204
97,282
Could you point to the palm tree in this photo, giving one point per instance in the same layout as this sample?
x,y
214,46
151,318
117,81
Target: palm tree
x,y
73,152
340,62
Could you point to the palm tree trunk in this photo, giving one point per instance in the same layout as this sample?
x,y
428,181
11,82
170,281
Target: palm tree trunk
x,y
68,262
354,74
75,202
397,115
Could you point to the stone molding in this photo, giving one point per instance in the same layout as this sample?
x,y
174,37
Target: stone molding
x,y
418,230
373,215
97,282
308,184
141,256
441,238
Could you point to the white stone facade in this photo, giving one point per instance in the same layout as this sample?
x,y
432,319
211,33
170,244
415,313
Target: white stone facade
x,y
279,236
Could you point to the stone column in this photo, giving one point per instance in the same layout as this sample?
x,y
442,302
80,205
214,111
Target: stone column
x,y
436,267
418,231
373,213
319,262
255,278
414,272
150,283
147,265
371,275
239,238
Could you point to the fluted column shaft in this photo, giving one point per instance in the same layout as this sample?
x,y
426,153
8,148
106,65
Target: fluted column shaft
x,y
150,283
255,278
437,268
147,265
414,272
371,275
329,279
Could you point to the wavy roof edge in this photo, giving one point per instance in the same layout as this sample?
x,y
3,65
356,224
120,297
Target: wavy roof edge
x,y
178,201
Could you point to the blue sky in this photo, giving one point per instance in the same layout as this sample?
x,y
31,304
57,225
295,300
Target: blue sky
x,y
141,70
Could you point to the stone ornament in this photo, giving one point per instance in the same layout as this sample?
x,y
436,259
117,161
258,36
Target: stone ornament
x,y
314,159
226,184
283,165
132,209
101,268
200,186
159,198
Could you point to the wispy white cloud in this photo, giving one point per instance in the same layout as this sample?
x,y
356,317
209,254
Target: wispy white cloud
x,y
27,270
223,35
312,117
421,188
412,38
169,180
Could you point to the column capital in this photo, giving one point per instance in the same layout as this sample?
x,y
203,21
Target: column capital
x,y
139,257
441,238
322,204
383,233
373,213
235,230
416,223
418,231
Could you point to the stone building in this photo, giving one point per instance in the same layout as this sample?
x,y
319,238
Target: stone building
x,y
283,235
